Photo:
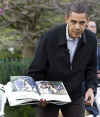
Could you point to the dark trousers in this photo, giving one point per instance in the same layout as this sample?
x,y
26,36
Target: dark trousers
x,y
73,109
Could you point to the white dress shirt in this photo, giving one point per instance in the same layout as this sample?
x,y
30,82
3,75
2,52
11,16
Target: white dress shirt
x,y
71,44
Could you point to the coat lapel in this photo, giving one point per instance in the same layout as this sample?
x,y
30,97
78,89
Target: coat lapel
x,y
62,43
62,36
81,43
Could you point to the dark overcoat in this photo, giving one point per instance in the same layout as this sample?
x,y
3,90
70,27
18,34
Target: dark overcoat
x,y
51,61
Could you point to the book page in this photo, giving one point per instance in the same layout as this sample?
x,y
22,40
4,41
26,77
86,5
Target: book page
x,y
21,89
2,102
53,90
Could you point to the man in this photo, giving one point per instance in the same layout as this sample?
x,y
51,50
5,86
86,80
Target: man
x,y
92,27
67,53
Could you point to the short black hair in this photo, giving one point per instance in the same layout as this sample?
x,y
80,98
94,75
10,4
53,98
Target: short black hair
x,y
78,7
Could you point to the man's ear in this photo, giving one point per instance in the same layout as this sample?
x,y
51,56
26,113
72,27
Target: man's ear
x,y
87,21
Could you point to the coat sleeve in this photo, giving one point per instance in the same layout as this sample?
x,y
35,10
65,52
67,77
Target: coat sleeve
x,y
38,68
91,77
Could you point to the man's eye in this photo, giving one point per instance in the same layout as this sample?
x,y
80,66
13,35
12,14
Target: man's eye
x,y
82,22
73,22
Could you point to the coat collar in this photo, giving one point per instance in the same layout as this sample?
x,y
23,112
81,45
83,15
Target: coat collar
x,y
62,36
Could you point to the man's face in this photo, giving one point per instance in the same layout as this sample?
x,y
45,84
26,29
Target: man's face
x,y
77,23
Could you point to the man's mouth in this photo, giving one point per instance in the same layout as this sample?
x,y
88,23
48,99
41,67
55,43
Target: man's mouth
x,y
77,33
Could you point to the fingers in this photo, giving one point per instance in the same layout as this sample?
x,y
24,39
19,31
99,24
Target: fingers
x,y
89,97
43,102
89,101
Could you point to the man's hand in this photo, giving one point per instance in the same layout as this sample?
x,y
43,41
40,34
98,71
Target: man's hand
x,y
98,74
89,97
43,103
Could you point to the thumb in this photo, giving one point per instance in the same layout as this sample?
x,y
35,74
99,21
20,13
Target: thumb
x,y
86,97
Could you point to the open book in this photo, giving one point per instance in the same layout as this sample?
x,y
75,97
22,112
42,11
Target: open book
x,y
24,90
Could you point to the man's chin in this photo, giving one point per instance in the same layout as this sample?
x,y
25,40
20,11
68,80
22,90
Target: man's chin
x,y
76,36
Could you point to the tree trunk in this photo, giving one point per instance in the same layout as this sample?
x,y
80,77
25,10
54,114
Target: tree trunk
x,y
28,52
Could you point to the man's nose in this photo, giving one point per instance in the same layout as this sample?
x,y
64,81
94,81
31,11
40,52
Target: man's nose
x,y
77,26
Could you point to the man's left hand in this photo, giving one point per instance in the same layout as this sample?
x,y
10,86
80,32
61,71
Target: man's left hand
x,y
89,97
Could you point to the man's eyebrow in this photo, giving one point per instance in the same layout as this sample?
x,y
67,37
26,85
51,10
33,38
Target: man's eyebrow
x,y
77,21
73,20
82,21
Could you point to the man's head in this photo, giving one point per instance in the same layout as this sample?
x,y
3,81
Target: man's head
x,y
77,19
92,26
